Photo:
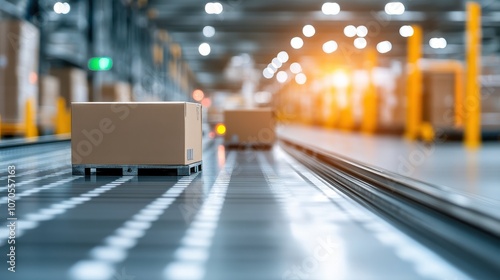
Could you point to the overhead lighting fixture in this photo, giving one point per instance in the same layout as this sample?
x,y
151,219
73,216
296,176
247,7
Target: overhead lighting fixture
x,y
301,79
330,8
350,31
268,73
272,68
276,63
204,49
438,43
384,47
282,77
361,31
208,31
406,31
283,56
394,8
330,46
308,30
297,43
214,8
62,8
295,68
360,43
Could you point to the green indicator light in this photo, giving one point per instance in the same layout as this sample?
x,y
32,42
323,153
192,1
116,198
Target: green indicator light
x,y
100,64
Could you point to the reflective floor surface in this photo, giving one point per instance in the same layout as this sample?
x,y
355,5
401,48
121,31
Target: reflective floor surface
x,y
248,215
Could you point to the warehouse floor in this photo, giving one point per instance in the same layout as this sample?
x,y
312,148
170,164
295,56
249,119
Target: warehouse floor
x,y
248,215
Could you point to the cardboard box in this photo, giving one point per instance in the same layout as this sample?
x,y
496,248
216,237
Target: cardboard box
x,y
19,41
438,99
117,92
129,133
74,86
250,126
49,93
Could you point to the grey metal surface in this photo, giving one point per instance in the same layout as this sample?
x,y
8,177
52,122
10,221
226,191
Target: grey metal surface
x,y
450,166
248,215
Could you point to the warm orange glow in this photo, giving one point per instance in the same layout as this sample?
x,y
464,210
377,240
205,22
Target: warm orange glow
x,y
206,102
220,129
198,95
33,78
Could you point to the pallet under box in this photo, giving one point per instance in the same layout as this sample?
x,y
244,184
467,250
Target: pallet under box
x,y
137,170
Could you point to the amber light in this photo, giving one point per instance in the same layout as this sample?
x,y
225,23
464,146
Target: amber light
x,y
198,95
220,129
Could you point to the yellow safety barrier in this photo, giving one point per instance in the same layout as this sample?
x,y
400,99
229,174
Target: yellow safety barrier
x,y
473,90
61,116
414,84
30,129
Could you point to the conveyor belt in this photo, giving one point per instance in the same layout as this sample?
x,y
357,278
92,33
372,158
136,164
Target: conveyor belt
x,y
248,215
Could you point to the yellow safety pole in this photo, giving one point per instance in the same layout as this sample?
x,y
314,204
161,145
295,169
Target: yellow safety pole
x,y
60,115
0,127
414,84
473,90
369,121
30,129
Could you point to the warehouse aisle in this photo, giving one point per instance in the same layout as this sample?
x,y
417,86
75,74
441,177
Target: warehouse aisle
x,y
248,215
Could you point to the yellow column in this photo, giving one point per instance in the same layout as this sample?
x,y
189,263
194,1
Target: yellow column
x,y
414,84
30,129
473,90
369,121
0,127
60,115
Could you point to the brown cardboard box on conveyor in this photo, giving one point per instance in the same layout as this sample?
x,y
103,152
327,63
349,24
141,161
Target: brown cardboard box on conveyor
x,y
254,127
135,136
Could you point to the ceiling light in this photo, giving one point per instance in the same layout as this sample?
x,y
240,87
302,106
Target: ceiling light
x,y
330,46
213,8
350,31
282,77
283,56
268,73
394,8
438,43
384,47
330,8
272,68
361,31
295,68
204,49
208,31
297,43
308,30
301,79
276,63
360,43
406,31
